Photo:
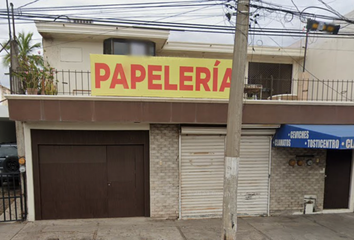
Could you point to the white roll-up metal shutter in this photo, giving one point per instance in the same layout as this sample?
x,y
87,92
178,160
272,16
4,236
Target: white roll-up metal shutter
x,y
202,174
253,180
202,171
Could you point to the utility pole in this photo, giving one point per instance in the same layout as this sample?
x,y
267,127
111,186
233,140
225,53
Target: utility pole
x,y
10,41
15,65
16,87
234,122
16,83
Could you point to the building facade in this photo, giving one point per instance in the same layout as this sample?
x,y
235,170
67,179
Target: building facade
x,y
110,156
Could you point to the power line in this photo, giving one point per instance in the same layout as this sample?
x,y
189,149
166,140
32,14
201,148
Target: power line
x,y
330,8
195,27
157,5
28,16
184,26
295,6
29,3
141,4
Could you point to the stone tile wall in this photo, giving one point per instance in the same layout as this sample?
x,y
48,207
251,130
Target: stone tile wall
x,y
288,185
164,181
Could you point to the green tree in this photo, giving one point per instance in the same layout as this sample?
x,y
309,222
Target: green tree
x,y
33,72
26,49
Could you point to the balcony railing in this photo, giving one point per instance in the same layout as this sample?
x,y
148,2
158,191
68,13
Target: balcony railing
x,y
79,83
73,82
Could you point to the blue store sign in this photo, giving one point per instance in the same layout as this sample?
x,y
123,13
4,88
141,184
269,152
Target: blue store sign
x,y
315,136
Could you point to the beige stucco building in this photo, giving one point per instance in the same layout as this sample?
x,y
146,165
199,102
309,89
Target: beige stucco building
x,y
164,157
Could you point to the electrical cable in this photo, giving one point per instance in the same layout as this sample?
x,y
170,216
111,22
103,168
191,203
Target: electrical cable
x,y
145,4
187,27
29,3
287,12
206,28
295,6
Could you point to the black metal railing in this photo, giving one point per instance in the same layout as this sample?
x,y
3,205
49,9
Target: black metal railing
x,y
79,83
73,82
300,89
12,200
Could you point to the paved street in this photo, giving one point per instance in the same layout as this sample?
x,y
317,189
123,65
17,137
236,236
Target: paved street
x,y
309,227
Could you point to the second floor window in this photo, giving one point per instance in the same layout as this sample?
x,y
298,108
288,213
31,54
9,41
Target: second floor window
x,y
128,47
275,78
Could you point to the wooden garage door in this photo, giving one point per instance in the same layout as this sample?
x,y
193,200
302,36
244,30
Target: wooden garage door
x,y
125,181
96,179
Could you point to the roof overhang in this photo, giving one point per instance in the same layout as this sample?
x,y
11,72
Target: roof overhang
x,y
92,32
173,111
99,32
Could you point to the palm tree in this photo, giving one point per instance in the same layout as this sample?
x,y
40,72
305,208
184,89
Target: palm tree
x,y
26,49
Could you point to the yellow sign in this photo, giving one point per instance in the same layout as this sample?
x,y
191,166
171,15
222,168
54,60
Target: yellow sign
x,y
116,75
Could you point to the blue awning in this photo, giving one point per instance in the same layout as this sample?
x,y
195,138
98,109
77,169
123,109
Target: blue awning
x,y
315,136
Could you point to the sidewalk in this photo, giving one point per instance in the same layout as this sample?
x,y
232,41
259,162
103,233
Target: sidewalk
x,y
304,227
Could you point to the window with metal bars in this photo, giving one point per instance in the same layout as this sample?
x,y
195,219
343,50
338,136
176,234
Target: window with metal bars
x,y
275,78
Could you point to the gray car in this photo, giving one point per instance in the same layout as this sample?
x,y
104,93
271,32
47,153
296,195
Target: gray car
x,y
9,166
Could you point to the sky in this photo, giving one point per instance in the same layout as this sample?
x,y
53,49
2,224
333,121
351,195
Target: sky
x,y
214,15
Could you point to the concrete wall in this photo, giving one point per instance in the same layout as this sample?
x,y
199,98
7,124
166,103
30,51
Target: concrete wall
x,y
330,61
288,185
71,55
164,177
65,55
331,58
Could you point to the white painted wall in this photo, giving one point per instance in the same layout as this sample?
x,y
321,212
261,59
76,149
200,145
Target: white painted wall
x,y
329,63
72,55
66,54
4,112
3,91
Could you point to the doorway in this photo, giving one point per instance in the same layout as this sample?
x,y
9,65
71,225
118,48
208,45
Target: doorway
x,y
338,179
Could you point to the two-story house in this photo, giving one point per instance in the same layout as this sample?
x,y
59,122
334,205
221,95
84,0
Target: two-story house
x,y
92,155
